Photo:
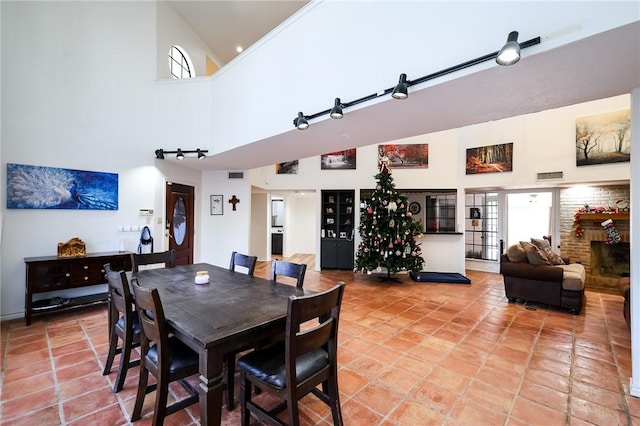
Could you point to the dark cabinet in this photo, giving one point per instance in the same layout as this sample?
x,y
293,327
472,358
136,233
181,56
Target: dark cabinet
x,y
51,273
336,249
276,243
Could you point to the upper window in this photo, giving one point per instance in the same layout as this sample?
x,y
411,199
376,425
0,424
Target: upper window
x,y
180,65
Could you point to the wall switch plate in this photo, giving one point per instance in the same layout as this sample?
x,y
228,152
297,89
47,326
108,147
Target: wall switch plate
x,y
127,228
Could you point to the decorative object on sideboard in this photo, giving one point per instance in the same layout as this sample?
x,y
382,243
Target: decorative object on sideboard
x,y
509,54
72,248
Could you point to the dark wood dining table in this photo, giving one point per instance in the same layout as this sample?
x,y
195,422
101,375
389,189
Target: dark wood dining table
x,y
231,312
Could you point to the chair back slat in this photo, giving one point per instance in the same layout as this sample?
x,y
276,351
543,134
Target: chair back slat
x,y
243,260
166,257
288,269
119,290
150,315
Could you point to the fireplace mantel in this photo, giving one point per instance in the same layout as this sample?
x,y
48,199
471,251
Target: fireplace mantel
x,y
603,216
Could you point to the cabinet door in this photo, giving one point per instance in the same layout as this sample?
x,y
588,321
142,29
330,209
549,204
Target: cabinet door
x,y
49,276
344,255
328,254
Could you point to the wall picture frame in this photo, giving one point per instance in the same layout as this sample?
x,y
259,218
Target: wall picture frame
x,y
217,206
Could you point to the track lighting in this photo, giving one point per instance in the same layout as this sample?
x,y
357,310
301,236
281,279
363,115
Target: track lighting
x,y
401,91
511,49
336,111
510,52
301,122
180,154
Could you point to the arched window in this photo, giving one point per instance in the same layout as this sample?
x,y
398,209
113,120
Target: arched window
x,y
180,65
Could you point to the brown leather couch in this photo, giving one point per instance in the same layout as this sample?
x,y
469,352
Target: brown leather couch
x,y
624,285
555,285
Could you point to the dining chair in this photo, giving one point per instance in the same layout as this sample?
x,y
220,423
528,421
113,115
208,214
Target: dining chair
x,y
246,261
288,269
167,257
249,263
162,355
123,325
294,368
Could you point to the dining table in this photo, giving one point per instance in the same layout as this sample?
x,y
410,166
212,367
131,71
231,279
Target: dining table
x,y
232,311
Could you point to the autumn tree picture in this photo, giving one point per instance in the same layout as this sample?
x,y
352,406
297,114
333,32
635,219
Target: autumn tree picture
x,y
490,159
604,138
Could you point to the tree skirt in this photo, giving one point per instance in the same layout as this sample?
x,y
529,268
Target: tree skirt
x,y
439,277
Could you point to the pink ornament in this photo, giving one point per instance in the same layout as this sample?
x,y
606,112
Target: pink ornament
x,y
369,210
408,214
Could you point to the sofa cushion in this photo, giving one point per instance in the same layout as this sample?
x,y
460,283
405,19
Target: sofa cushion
x,y
515,253
573,276
535,256
552,257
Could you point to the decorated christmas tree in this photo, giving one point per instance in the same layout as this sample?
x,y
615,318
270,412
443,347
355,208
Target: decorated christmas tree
x,y
387,231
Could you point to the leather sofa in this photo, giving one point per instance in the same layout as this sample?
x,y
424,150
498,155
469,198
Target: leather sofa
x,y
560,286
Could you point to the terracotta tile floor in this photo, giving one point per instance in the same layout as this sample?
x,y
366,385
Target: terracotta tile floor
x,y
410,354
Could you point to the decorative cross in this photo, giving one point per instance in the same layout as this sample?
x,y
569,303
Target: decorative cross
x,y
233,200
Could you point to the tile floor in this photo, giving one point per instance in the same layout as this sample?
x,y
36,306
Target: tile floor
x,y
410,354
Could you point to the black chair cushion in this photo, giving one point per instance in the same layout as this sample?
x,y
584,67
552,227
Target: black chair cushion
x,y
268,364
136,324
181,356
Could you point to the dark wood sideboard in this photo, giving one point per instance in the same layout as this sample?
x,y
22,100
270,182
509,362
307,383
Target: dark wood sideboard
x,y
51,273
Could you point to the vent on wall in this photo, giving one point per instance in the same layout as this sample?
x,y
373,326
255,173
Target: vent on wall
x,y
236,175
549,176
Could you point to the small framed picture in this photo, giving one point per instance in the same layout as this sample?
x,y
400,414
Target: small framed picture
x,y
342,235
330,221
331,199
474,213
216,205
349,210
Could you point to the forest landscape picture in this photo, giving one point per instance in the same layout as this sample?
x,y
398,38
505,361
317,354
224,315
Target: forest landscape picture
x,y
406,155
604,138
39,187
339,160
490,159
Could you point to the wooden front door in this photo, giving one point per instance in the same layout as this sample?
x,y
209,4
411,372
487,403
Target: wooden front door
x,y
180,218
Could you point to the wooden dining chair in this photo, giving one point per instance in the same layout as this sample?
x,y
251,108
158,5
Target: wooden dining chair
x,y
166,257
288,269
123,326
294,368
246,261
162,355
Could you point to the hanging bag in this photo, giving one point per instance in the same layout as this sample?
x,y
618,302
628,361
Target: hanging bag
x,y
145,239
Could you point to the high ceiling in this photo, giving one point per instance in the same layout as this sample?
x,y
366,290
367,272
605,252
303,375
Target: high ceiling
x,y
225,25
551,79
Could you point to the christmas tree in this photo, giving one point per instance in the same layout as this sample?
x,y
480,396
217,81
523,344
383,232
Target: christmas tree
x,y
387,232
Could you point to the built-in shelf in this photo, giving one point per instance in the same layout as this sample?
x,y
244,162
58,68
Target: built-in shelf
x,y
603,216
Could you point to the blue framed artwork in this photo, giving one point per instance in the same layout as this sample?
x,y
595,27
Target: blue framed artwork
x,y
38,187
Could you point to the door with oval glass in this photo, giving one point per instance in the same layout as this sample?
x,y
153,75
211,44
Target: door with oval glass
x,y
180,218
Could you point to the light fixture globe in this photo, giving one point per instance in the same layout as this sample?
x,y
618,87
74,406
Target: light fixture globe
x,y
300,122
201,154
510,52
180,154
336,111
401,89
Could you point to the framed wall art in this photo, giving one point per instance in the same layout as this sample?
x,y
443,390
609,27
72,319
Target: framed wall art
x,y
217,206
40,187
338,160
604,138
287,168
408,156
490,159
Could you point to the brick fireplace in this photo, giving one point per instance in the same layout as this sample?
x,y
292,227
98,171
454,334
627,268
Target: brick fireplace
x,y
601,274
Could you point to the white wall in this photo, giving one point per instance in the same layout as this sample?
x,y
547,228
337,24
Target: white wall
x,y
173,30
299,231
259,226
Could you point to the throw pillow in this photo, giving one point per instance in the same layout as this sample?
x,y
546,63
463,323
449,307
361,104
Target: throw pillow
x,y
553,257
516,253
535,256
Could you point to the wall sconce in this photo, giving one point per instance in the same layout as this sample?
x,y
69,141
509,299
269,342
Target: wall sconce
x,y
180,154
508,55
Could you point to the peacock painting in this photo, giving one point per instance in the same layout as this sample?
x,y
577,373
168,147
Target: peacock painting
x,y
38,187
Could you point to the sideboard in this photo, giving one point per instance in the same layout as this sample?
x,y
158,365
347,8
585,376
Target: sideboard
x,y
51,274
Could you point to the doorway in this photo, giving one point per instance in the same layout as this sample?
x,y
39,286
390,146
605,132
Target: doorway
x,y
529,215
179,223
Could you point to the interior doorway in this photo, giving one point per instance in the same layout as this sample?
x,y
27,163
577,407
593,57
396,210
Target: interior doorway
x,y
529,215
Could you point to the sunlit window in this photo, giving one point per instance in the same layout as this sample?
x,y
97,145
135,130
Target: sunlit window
x,y
180,65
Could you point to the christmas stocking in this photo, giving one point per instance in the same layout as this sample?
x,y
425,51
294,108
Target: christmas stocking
x,y
613,236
